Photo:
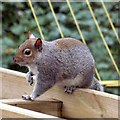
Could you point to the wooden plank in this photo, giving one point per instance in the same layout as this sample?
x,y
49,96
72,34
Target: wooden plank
x,y
9,111
13,83
85,103
51,107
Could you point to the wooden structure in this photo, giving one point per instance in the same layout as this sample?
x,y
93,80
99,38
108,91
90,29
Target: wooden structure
x,y
83,103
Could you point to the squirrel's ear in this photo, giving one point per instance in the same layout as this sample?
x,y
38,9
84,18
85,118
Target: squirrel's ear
x,y
30,35
38,44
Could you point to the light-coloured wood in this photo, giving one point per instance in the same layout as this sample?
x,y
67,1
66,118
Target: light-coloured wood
x,y
50,107
9,111
16,82
13,83
83,103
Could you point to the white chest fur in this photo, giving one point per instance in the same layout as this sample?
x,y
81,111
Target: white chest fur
x,y
33,69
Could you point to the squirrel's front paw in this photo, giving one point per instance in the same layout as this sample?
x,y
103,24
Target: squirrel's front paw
x,y
27,97
29,78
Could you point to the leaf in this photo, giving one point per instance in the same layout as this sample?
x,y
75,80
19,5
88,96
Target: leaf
x,y
17,29
61,17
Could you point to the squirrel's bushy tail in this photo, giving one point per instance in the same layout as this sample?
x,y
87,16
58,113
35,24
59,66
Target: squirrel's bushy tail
x,y
96,85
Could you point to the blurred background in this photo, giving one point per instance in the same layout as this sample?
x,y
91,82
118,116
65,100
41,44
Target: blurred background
x,y
17,21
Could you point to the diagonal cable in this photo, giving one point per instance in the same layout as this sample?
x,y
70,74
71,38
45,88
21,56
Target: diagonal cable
x,y
35,17
99,30
51,7
80,32
110,20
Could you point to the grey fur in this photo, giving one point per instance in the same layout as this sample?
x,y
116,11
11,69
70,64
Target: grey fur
x,y
56,65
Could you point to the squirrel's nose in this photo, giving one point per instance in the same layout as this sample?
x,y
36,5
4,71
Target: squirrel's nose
x,y
16,59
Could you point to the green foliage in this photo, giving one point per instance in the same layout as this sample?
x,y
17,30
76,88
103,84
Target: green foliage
x,y
17,20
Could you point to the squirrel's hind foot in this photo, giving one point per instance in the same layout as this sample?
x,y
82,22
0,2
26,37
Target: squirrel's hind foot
x,y
69,89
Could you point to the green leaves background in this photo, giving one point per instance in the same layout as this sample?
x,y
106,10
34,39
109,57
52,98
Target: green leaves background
x,y
17,20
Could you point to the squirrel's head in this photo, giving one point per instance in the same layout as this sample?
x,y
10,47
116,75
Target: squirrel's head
x,y
28,50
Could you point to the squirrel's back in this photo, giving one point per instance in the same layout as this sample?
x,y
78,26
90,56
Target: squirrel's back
x,y
66,43
65,58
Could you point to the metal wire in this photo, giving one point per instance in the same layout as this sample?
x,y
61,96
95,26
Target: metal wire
x,y
103,39
80,32
35,17
110,20
51,7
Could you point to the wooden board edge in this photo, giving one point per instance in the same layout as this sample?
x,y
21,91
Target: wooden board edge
x,y
24,112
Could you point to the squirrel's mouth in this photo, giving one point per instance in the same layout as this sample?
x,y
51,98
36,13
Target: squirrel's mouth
x,y
23,63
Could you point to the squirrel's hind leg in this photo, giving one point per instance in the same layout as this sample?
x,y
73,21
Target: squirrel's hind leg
x,y
95,84
72,84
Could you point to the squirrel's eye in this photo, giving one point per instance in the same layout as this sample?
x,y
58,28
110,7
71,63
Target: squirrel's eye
x,y
27,52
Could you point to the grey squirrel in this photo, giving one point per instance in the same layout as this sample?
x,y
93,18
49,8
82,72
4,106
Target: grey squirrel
x,y
65,61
